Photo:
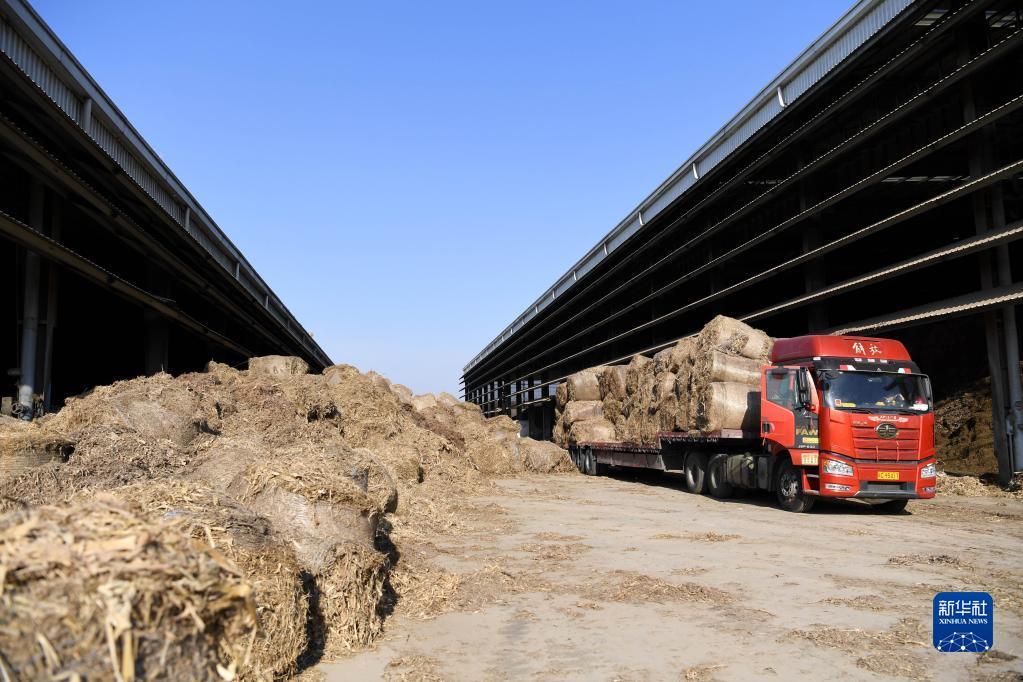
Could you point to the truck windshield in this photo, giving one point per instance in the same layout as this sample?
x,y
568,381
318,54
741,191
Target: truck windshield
x,y
875,391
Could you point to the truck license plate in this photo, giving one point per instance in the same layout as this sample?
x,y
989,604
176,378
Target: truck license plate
x,y
888,475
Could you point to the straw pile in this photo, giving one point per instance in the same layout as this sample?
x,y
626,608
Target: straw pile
x,y
96,591
707,382
246,519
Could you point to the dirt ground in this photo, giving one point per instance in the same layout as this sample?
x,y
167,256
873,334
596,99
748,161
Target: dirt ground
x,y
631,578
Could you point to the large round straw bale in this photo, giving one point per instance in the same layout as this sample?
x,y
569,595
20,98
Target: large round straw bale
x,y
156,408
447,400
424,402
584,385
544,457
26,445
728,405
580,410
612,381
664,386
612,409
403,393
96,591
560,433
718,366
318,497
639,370
561,395
338,374
734,337
278,365
662,360
592,431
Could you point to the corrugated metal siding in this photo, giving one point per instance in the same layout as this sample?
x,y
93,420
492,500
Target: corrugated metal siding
x,y
872,22
840,41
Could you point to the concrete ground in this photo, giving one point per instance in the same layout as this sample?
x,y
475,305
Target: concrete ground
x,y
631,578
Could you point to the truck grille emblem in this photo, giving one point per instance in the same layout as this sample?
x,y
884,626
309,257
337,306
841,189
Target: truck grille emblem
x,y
886,431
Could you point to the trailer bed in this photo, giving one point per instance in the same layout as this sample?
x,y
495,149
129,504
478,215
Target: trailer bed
x,y
668,454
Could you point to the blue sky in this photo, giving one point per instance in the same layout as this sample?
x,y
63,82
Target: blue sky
x,y
409,176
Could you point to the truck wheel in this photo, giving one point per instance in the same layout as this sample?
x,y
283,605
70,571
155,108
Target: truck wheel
x,y
579,458
590,463
696,473
892,506
789,486
716,483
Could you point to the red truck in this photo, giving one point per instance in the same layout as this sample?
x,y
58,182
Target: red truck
x,y
840,417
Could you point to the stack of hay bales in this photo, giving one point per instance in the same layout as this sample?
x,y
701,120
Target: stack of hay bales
x,y
580,410
706,382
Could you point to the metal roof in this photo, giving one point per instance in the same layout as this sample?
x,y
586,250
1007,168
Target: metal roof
x,y
28,42
852,30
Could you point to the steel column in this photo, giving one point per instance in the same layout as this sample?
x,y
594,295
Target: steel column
x,y
30,306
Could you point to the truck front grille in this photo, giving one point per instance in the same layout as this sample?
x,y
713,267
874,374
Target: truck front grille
x,y
904,447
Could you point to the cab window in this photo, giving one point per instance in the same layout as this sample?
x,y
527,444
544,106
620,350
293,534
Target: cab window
x,y
781,389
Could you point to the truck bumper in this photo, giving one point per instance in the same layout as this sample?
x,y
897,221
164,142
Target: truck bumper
x,y
876,480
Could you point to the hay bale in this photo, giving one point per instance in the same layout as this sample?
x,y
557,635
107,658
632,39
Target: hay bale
x,y
317,497
560,433
448,400
96,591
561,395
580,410
717,365
664,386
733,337
640,368
403,393
662,360
584,385
26,445
424,402
278,365
263,557
612,382
544,457
156,408
325,501
338,374
728,405
592,431
612,409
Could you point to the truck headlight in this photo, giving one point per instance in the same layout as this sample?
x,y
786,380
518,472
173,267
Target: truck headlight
x,y
833,466
929,471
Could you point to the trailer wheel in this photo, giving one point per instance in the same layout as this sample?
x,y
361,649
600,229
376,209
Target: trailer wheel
x,y
696,473
589,462
579,459
716,483
789,486
892,506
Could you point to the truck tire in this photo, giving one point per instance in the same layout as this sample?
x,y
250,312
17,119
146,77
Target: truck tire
x,y
695,469
716,483
789,487
892,506
589,462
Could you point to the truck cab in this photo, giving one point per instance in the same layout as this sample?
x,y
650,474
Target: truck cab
x,y
847,417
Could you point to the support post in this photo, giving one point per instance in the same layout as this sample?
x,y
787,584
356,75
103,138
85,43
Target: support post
x,y
30,308
1000,324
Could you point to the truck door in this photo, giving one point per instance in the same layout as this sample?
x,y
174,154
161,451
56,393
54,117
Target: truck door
x,y
787,416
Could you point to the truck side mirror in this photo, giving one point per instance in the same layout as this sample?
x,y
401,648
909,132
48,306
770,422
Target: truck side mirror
x,y
807,391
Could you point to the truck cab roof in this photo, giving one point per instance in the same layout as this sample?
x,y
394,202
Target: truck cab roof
x,y
816,346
